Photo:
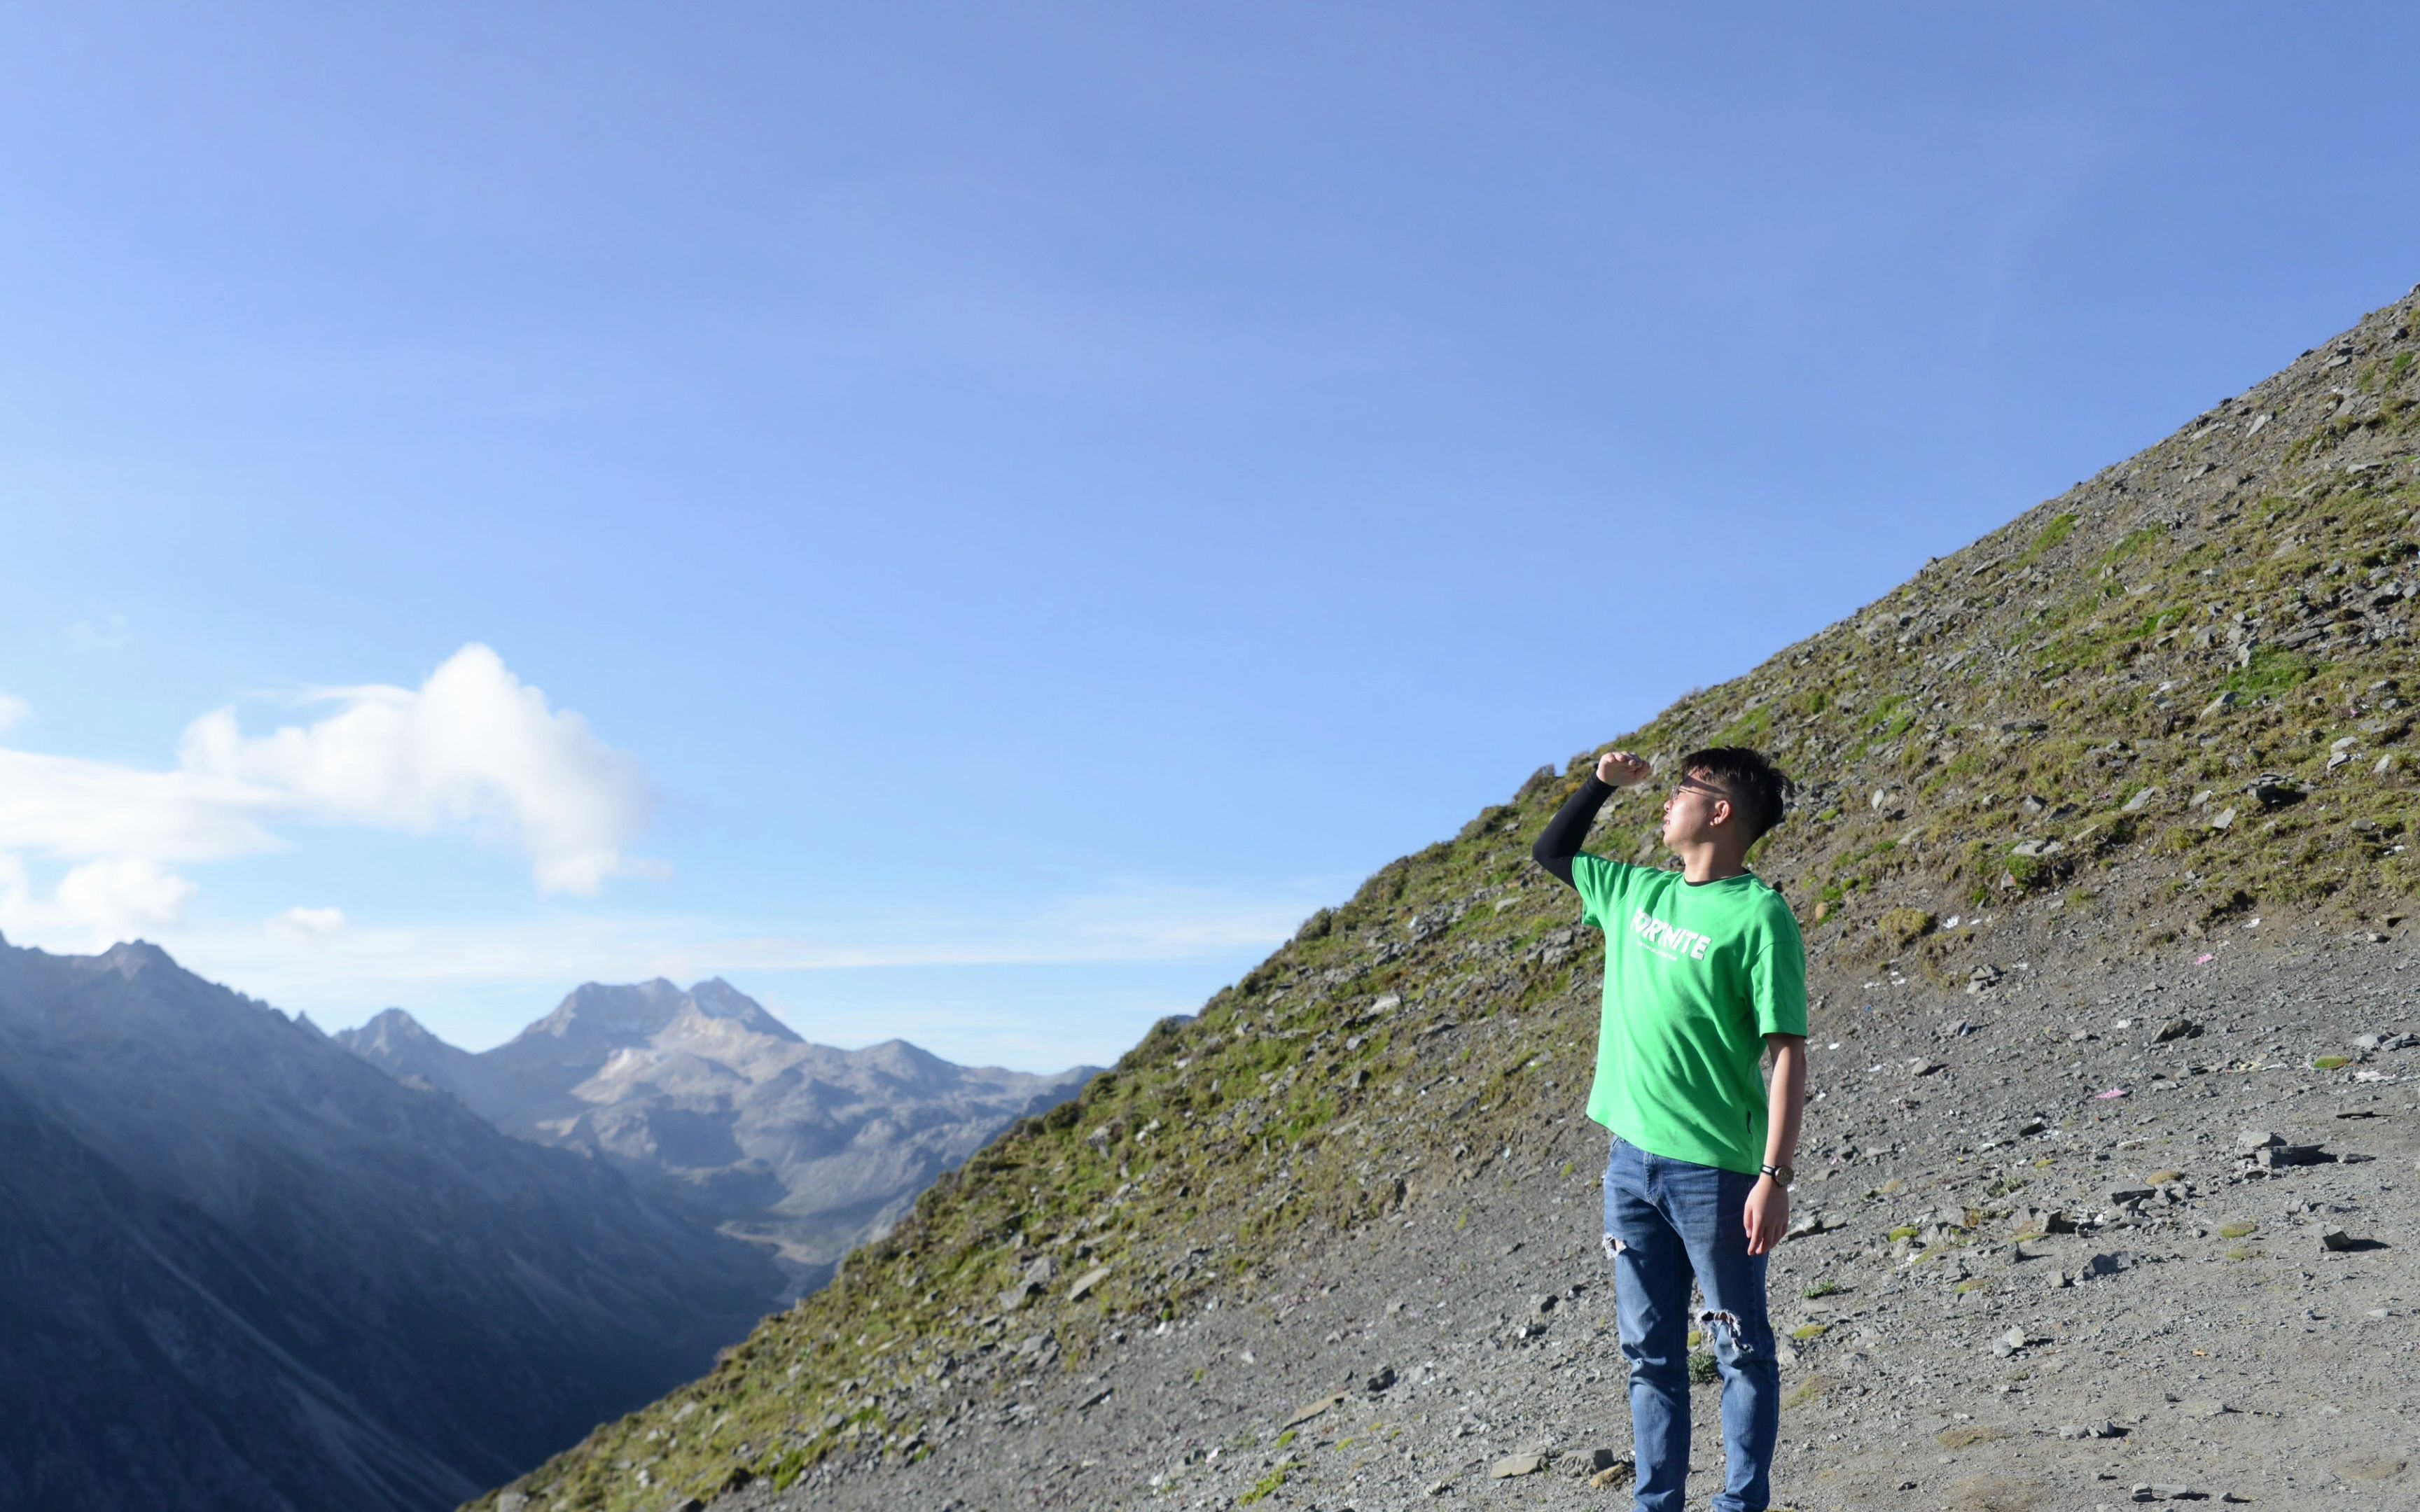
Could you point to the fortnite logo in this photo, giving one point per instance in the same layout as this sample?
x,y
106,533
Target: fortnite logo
x,y
1666,940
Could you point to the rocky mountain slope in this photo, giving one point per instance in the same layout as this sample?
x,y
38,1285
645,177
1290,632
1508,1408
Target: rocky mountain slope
x,y
2103,855
801,1148
243,1270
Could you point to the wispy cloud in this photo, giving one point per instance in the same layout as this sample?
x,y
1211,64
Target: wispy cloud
x,y
471,748
13,712
107,634
320,960
308,923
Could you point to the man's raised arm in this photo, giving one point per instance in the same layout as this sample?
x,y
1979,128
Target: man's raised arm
x,y
1563,835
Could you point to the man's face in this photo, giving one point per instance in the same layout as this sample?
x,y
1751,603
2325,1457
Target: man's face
x,y
1695,810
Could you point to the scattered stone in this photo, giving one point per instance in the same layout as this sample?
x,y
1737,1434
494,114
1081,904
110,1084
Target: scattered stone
x,y
1379,1382
1085,1283
2033,1126
2272,789
1512,1466
2223,818
1982,979
2371,1468
2337,1240
1813,1223
2176,1029
2279,1157
1312,1409
2103,1429
2251,1140
2141,800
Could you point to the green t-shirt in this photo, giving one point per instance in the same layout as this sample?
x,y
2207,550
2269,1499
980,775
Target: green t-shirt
x,y
1695,978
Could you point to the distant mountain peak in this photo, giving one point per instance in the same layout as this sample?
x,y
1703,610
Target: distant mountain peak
x,y
616,1014
396,1022
128,957
805,1148
716,999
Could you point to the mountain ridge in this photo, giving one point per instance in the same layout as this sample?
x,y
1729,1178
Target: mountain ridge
x,y
804,1149
250,1271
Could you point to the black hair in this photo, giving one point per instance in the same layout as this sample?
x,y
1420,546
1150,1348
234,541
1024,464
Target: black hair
x,y
1759,792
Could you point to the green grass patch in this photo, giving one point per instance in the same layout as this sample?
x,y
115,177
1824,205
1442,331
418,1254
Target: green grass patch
x,y
2271,669
2059,528
2243,1230
1814,1388
1267,1486
2131,543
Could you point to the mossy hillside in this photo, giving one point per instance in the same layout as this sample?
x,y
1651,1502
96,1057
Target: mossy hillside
x,y
2213,615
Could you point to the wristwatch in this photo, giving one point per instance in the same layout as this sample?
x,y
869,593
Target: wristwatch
x,y
1783,1174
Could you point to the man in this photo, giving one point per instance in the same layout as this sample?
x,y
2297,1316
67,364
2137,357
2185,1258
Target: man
x,y
1704,971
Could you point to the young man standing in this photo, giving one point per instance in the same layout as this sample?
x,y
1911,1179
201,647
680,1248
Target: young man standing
x,y
1704,971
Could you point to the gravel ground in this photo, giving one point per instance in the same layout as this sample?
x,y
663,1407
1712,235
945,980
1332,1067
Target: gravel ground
x,y
2033,1296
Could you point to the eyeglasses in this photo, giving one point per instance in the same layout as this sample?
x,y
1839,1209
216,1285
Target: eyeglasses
x,y
1686,786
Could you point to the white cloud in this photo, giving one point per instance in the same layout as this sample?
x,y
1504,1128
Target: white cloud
x,y
308,923
121,898
13,712
472,748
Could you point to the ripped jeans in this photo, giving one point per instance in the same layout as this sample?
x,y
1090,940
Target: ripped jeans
x,y
1667,1221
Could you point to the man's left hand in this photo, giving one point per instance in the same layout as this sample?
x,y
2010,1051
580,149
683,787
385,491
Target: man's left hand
x,y
1768,1214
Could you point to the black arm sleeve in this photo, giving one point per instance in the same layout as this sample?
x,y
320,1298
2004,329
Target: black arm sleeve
x,y
1560,840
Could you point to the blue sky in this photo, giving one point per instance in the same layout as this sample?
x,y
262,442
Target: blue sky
x,y
970,522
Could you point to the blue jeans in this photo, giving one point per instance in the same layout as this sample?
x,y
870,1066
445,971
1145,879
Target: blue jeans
x,y
1666,1223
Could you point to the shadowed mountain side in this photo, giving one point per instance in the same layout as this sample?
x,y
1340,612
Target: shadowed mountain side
x,y
2132,774
808,1150
253,1272
132,1318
